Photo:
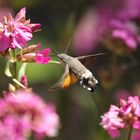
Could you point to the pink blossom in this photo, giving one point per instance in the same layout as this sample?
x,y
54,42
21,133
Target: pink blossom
x,y
14,127
136,124
49,124
42,56
15,33
125,31
25,113
128,114
24,80
110,20
6,132
4,41
122,22
131,106
114,133
33,54
112,122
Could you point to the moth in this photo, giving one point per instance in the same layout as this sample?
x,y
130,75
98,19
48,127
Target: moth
x,y
75,71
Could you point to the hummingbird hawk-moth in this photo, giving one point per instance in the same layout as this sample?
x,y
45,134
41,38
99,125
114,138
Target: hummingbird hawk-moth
x,y
76,71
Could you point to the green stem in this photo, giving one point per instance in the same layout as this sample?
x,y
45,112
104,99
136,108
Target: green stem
x,y
129,133
14,65
15,70
54,62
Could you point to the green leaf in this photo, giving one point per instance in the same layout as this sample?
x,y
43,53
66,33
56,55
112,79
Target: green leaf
x,y
9,74
18,83
22,70
7,70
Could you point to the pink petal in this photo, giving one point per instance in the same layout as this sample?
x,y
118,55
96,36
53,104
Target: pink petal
x,y
4,42
136,125
45,51
21,14
34,27
114,133
42,59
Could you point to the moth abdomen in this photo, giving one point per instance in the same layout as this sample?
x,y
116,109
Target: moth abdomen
x,y
88,81
89,84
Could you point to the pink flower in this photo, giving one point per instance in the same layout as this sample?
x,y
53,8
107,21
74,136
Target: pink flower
x,y
33,54
24,80
15,33
110,20
114,133
136,124
127,115
125,31
4,41
112,122
50,123
42,56
13,126
131,106
25,113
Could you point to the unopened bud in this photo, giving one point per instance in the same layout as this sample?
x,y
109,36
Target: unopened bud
x,y
24,80
29,58
30,49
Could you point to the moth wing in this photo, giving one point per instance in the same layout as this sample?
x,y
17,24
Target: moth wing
x,y
90,55
89,60
65,81
69,80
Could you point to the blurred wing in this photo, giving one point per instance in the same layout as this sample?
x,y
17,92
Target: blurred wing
x,y
69,80
91,55
89,60
65,81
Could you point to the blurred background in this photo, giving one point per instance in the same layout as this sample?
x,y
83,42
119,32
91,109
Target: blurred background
x,y
95,26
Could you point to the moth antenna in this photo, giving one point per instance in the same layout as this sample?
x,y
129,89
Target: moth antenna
x,y
68,45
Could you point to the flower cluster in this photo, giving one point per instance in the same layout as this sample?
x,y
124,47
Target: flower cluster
x,y
125,116
33,54
117,21
16,32
126,23
24,114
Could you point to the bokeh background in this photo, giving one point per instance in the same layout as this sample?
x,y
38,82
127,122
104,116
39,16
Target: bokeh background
x,y
86,22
